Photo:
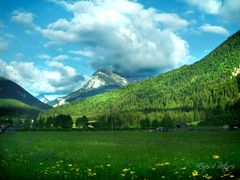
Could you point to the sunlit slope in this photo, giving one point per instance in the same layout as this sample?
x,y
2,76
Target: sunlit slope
x,y
189,93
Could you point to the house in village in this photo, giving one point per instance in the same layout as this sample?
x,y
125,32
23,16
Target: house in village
x,y
6,127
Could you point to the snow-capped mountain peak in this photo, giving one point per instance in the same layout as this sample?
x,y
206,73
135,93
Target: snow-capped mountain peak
x,y
104,78
99,82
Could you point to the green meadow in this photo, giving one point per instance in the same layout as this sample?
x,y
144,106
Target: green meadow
x,y
120,155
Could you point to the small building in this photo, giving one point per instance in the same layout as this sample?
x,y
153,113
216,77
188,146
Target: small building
x,y
234,126
160,129
6,127
181,125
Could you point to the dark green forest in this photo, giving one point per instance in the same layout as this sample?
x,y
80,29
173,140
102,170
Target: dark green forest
x,y
204,93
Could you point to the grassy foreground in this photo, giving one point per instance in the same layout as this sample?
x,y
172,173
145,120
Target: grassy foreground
x,y
120,155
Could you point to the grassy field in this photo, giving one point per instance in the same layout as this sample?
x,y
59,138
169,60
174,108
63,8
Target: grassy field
x,y
120,155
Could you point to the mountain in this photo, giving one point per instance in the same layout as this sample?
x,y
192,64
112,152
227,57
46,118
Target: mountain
x,y
99,82
42,98
206,92
11,90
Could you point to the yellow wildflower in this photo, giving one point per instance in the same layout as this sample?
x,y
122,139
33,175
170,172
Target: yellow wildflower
x,y
132,172
207,176
195,173
160,164
216,157
125,170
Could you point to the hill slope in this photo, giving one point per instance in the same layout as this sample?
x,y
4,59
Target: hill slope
x,y
11,90
16,108
206,91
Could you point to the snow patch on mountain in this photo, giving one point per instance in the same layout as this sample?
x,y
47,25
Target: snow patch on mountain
x,y
42,98
94,82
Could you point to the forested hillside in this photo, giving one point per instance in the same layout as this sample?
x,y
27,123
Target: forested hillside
x,y
206,92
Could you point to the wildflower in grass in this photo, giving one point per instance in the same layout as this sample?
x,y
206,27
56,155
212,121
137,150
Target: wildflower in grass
x,y
154,169
125,170
195,173
132,172
159,164
167,163
70,165
206,176
91,173
163,164
216,157
109,165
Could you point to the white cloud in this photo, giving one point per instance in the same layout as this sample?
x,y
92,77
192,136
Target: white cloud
x,y
23,17
57,79
86,53
122,35
208,6
61,57
172,21
214,29
231,11
44,56
5,37
228,10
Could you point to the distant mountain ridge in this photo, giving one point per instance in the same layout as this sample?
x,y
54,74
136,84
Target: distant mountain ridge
x,y
101,81
11,90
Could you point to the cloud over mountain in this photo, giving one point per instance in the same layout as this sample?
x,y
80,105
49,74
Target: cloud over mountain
x,y
57,79
121,35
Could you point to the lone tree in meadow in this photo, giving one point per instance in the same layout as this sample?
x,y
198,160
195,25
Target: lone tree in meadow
x,y
155,124
64,121
167,122
145,123
82,121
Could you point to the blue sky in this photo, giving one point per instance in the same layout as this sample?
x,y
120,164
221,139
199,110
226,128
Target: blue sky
x,y
53,46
